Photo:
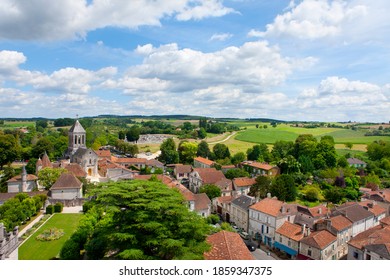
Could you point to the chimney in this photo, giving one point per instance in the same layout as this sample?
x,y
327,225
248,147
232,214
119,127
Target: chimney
x,y
303,228
268,195
320,210
283,209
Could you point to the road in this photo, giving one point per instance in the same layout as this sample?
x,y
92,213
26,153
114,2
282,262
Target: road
x,y
259,254
223,140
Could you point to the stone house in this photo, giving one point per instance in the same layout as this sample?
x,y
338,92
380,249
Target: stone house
x,y
308,216
378,211
201,162
242,185
372,244
361,218
266,216
239,211
318,245
381,197
67,187
357,163
202,176
23,182
222,205
227,246
88,160
260,168
182,171
287,238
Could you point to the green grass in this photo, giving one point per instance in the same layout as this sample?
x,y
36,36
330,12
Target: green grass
x,y
17,124
33,249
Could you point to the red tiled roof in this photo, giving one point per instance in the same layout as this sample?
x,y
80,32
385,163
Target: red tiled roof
x,y
319,239
224,184
259,165
202,201
243,182
290,230
227,246
46,161
340,222
204,160
268,206
128,160
385,221
76,169
183,169
18,178
372,207
103,153
209,175
375,235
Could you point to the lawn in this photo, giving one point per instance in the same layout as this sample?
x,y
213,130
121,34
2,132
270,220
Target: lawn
x,y
33,249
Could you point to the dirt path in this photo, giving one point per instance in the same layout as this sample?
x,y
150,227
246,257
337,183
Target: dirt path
x,y
223,140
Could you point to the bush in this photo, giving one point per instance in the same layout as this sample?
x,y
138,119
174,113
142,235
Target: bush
x,y
50,209
58,207
70,250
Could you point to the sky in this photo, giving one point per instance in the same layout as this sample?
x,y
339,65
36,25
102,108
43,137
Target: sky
x,y
308,60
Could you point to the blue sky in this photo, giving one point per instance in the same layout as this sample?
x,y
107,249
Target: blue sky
x,y
293,60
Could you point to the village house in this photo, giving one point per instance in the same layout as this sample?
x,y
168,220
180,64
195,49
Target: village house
x,y
318,245
308,216
103,154
202,176
114,172
242,185
67,187
378,211
182,171
361,218
76,169
8,241
260,168
267,215
341,227
227,246
239,211
357,163
201,162
381,197
372,244
22,183
287,238
222,206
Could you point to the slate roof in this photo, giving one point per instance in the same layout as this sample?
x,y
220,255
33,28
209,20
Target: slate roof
x,y
77,127
292,231
66,181
243,201
355,161
353,212
319,239
227,246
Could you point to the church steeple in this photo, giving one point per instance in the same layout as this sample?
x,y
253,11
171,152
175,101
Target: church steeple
x,y
76,138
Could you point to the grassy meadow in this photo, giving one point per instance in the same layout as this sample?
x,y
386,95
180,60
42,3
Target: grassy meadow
x,y
33,249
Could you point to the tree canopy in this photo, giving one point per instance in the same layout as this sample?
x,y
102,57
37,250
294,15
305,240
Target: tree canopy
x,y
142,220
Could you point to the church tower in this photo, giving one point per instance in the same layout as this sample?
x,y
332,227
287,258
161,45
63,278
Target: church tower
x,y
77,137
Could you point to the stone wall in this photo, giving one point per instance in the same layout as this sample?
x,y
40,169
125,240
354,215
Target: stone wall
x,y
8,241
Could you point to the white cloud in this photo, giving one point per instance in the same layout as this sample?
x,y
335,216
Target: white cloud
x,y
221,37
68,19
312,19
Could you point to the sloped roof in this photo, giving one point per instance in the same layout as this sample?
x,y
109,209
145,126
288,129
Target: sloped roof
x,y
259,165
128,160
46,161
375,235
385,221
6,196
227,246
183,168
18,178
66,181
243,201
290,230
269,206
319,239
76,169
80,152
316,211
243,182
224,184
372,207
103,153
352,211
154,163
355,161
202,201
77,127
340,222
204,160
209,175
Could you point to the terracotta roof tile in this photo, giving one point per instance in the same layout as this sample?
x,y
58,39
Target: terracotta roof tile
x,y
372,207
128,160
76,169
183,169
385,221
259,165
268,206
202,201
204,160
375,235
18,178
319,239
340,222
290,230
103,153
209,175
227,246
243,182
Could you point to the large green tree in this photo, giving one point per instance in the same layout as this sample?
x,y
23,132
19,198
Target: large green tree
x,y
168,152
221,151
187,151
9,149
48,176
258,152
261,188
203,150
283,187
211,190
143,220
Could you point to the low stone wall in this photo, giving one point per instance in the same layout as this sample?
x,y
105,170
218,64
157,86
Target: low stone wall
x,y
8,241
68,203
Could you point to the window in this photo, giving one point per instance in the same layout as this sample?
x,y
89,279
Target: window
x,y
356,255
309,252
289,243
280,239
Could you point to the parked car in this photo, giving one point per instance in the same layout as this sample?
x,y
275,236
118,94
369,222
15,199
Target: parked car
x,y
250,245
244,235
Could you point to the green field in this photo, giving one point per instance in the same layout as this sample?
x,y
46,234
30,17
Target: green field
x,y
284,132
17,124
33,249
